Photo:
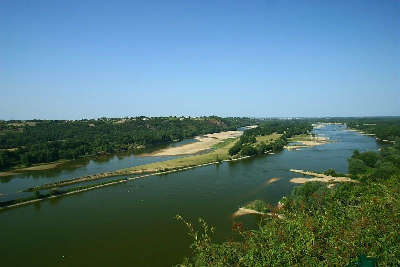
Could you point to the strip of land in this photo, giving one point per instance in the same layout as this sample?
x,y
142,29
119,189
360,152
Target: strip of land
x,y
220,153
217,155
104,184
245,211
319,177
307,141
38,167
360,132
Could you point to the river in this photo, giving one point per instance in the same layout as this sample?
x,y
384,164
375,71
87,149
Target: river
x,y
132,224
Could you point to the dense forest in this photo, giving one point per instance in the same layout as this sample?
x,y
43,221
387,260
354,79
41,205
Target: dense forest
x,y
348,225
246,146
23,143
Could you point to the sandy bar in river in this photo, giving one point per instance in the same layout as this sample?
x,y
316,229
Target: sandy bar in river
x,y
245,211
319,177
309,141
204,142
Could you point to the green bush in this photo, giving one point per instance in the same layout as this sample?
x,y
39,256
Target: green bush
x,y
248,150
356,166
369,158
363,221
235,149
258,205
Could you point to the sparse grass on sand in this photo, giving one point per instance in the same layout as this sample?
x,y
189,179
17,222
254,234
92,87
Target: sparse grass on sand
x,y
219,153
39,167
300,137
203,143
7,173
268,138
45,166
307,141
319,177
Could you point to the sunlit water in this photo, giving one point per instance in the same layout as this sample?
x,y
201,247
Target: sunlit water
x,y
133,224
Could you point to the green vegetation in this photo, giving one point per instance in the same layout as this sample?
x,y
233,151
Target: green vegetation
x,y
333,173
299,138
25,143
259,205
376,166
320,226
254,141
384,128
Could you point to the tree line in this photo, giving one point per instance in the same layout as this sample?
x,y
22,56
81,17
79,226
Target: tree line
x,y
384,128
23,143
247,145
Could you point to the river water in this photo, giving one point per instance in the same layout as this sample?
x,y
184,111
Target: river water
x,y
132,224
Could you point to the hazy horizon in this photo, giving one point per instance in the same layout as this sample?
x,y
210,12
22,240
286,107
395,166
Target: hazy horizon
x,y
74,60
188,116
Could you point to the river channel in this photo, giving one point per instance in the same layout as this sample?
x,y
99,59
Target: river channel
x,y
132,224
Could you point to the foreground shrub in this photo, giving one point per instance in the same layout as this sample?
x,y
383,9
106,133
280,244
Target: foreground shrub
x,y
320,227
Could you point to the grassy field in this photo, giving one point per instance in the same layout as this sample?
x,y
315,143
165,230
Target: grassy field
x,y
267,138
300,137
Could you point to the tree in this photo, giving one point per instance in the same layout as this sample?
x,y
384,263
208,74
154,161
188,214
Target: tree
x,y
235,149
370,158
356,166
248,150
4,161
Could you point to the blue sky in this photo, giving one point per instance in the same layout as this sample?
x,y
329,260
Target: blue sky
x,y
88,59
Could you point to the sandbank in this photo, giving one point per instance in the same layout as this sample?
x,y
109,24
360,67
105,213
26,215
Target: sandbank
x,y
203,143
319,177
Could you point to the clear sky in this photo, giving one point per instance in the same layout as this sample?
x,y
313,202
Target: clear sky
x,y
88,59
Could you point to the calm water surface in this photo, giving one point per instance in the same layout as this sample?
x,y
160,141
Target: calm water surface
x,y
133,224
